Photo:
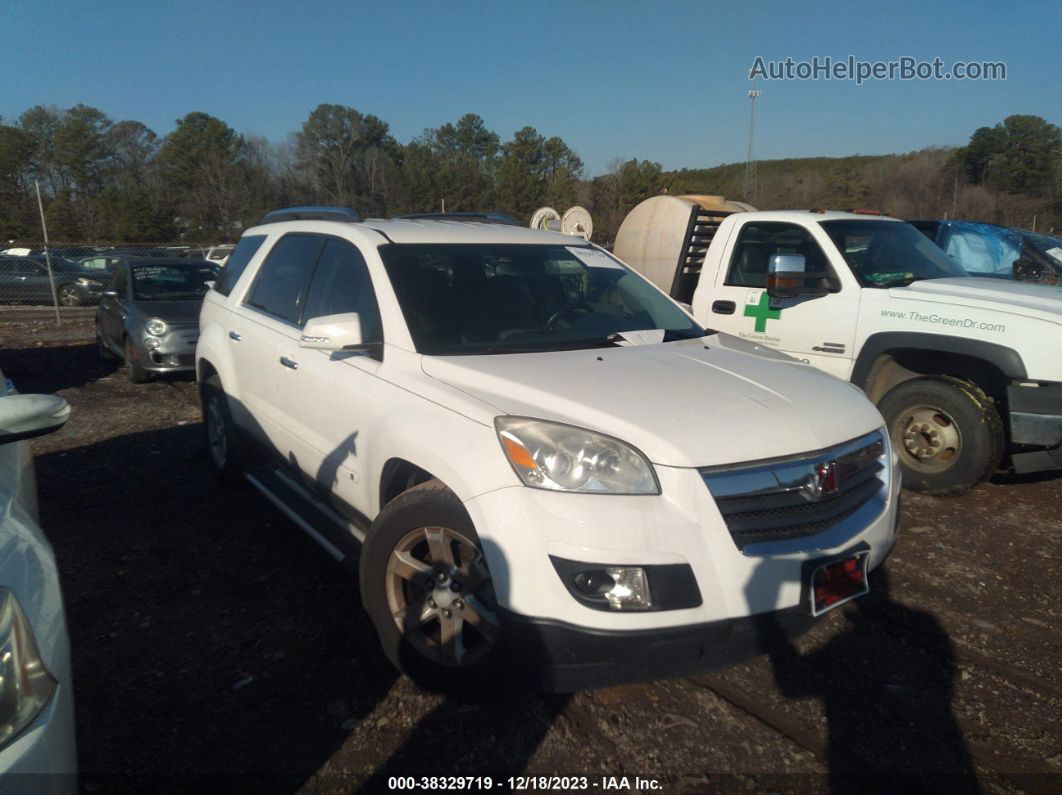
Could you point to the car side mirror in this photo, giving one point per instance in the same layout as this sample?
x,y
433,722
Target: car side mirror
x,y
28,416
787,277
334,333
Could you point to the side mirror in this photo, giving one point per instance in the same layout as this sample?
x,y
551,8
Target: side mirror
x,y
787,277
27,416
688,308
333,333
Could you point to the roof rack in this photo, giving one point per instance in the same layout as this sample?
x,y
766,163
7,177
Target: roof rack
x,y
483,218
311,213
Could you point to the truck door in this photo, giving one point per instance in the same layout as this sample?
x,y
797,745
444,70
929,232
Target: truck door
x,y
819,329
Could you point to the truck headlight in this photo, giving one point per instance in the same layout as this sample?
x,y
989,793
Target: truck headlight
x,y
558,457
155,327
25,684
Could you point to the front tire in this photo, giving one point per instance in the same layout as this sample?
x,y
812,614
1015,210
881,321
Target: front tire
x,y
947,433
134,372
426,585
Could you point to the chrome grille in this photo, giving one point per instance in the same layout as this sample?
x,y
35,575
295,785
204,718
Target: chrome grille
x,y
794,498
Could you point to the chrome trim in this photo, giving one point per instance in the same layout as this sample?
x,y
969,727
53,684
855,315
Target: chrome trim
x,y
776,481
762,478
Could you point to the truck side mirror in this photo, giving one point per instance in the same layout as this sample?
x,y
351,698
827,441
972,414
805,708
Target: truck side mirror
x,y
787,277
28,416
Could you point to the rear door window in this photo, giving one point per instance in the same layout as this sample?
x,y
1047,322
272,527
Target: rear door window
x,y
244,251
280,287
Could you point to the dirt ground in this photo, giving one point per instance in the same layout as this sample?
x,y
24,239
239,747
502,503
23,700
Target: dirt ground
x,y
216,646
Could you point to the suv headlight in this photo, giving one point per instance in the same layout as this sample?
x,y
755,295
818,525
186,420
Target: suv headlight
x,y
558,457
155,327
25,684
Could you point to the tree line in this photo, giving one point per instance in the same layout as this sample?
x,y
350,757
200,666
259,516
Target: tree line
x,y
121,182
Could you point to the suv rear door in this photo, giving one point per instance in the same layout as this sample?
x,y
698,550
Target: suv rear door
x,y
270,313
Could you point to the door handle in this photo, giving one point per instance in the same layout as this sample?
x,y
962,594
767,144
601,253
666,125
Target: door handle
x,y
235,336
723,307
284,360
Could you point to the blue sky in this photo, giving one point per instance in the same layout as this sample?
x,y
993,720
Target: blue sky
x,y
661,80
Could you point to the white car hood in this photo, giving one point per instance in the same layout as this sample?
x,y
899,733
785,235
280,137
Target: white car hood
x,y
685,404
1020,298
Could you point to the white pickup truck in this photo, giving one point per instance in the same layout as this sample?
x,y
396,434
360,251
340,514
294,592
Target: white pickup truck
x,y
966,371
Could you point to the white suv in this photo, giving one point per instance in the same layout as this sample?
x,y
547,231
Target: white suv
x,y
542,456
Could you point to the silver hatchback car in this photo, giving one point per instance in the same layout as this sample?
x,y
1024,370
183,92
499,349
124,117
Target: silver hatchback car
x,y
149,317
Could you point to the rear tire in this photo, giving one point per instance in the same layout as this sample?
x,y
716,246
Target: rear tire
x,y
426,586
226,451
947,433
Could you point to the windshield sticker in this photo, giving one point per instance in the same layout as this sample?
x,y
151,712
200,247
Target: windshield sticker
x,y
592,258
1055,253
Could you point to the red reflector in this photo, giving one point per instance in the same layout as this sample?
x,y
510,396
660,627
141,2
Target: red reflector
x,y
836,583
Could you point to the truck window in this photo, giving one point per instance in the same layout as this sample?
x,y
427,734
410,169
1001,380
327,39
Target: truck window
x,y
342,284
757,243
281,282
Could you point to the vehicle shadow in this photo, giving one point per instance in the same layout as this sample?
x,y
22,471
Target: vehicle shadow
x,y
51,369
210,638
887,700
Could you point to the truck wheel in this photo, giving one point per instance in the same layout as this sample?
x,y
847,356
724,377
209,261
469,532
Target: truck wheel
x,y
426,586
225,447
946,431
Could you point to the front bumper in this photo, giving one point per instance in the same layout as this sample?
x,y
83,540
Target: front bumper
x,y
573,645
175,352
561,657
1035,417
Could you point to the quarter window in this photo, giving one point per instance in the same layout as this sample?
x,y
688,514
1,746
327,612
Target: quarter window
x,y
280,287
757,243
342,284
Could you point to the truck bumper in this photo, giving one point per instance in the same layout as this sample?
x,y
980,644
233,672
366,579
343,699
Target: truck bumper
x,y
1035,418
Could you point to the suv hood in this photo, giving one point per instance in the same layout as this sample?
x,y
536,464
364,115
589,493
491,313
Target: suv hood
x,y
704,402
1019,298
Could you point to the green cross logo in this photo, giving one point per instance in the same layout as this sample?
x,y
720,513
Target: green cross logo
x,y
762,312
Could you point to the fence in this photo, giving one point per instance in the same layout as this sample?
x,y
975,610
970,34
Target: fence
x,y
69,279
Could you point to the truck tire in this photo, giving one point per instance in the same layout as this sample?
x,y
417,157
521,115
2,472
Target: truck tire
x,y
946,431
226,448
426,587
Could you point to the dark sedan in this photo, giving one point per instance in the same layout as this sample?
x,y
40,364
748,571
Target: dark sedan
x,y
149,317
25,280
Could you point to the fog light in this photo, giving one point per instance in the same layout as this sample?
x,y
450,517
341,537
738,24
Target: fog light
x,y
171,360
630,588
152,343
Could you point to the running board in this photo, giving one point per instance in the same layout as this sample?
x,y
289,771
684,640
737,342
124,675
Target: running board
x,y
339,537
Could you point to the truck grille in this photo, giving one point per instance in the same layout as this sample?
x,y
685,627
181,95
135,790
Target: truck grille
x,y
796,498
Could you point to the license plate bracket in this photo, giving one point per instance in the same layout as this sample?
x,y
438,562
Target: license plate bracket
x,y
832,582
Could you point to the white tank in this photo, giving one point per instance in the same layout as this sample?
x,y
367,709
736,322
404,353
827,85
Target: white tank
x,y
655,236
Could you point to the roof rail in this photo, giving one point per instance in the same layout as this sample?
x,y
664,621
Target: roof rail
x,y
311,213
482,218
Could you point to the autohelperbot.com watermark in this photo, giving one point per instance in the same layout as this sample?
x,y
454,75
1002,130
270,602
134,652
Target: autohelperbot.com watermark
x,y
906,67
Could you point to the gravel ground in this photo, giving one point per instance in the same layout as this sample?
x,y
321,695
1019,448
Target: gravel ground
x,y
216,646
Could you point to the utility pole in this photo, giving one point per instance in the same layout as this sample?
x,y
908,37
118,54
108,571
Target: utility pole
x,y
47,254
750,164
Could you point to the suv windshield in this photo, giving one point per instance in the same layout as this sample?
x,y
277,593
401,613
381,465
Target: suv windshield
x,y
889,253
171,282
467,299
